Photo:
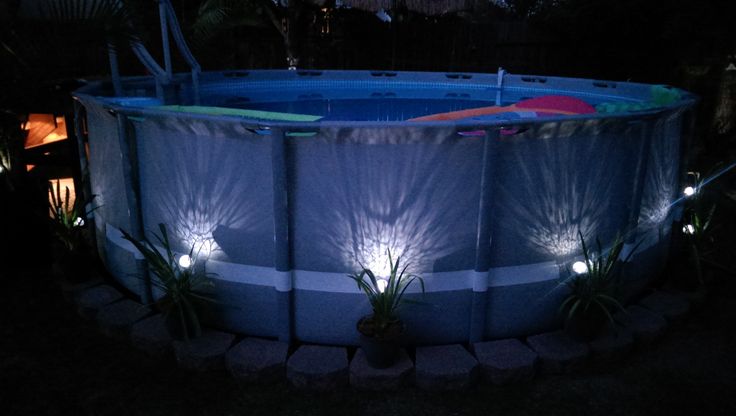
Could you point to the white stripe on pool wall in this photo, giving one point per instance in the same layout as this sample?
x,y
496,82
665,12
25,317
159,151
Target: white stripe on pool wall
x,y
341,283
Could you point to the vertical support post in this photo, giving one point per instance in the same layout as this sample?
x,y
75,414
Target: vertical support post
x,y
641,174
165,39
282,256
112,56
483,240
499,84
160,91
75,152
686,142
642,165
84,177
82,150
131,176
195,85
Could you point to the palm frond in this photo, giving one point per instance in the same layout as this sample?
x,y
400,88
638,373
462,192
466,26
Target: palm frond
x,y
218,16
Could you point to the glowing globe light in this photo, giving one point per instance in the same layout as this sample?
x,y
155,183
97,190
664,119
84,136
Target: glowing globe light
x,y
689,191
185,261
688,229
381,283
580,267
79,222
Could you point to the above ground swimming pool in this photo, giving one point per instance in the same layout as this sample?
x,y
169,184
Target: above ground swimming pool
x,y
284,181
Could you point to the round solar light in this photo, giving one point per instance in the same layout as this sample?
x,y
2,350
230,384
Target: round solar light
x,y
580,267
185,261
381,283
688,229
689,191
79,222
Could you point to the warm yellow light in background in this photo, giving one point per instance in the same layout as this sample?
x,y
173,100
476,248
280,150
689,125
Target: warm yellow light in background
x,y
63,184
43,129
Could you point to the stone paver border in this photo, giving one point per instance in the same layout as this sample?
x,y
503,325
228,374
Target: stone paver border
x,y
318,368
445,367
365,377
324,368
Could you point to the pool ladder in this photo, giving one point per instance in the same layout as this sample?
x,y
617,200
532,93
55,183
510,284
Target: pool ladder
x,y
163,76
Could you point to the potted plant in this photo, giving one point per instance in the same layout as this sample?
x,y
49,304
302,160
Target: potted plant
x,y
592,300
381,331
67,222
182,284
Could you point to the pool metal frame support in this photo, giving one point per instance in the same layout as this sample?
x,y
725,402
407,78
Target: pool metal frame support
x,y
84,169
687,135
500,75
282,253
479,309
117,83
82,151
641,174
131,176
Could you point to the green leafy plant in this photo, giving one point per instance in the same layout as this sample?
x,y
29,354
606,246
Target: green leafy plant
x,y
183,287
697,222
697,227
67,218
385,298
594,291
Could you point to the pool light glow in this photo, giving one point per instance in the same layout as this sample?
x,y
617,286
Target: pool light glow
x,y
689,191
580,267
185,261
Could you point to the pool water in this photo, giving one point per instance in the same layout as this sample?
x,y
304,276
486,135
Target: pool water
x,y
365,109
364,105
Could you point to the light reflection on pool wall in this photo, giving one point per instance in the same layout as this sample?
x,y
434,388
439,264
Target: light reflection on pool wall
x,y
559,187
660,189
204,188
358,199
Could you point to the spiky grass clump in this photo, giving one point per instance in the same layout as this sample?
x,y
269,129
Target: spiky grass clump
x,y
385,300
67,218
182,286
595,290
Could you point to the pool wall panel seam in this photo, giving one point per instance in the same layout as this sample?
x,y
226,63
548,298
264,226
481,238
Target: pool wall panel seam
x,y
483,240
641,175
282,250
131,175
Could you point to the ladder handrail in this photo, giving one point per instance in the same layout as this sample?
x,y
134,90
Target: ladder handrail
x,y
178,36
163,75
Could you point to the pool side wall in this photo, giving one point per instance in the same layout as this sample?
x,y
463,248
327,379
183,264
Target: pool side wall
x,y
488,217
